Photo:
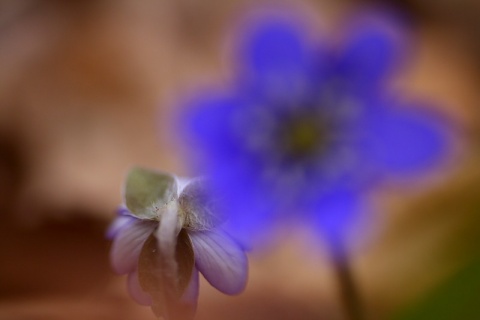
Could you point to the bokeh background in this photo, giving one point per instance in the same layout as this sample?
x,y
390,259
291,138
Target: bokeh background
x,y
86,91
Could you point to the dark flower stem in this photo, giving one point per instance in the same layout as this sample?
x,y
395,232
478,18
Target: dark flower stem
x,y
349,293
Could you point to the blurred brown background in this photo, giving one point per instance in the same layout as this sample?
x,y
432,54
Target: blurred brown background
x,y
85,93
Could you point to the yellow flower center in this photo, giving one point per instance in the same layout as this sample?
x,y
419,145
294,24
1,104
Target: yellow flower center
x,y
302,137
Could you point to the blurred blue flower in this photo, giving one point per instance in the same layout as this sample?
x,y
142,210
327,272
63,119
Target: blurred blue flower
x,y
306,128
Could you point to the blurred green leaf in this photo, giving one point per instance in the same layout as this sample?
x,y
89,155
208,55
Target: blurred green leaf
x,y
146,191
458,298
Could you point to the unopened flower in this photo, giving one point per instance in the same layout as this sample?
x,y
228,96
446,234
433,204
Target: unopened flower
x,y
168,231
306,127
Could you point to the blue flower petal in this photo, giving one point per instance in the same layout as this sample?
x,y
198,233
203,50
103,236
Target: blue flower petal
x,y
336,214
373,46
251,222
275,54
405,141
281,72
206,121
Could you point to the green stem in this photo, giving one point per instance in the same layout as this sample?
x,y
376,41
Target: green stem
x,y
348,290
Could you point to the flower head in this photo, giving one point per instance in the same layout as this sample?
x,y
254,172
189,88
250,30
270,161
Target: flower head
x,y
168,231
307,128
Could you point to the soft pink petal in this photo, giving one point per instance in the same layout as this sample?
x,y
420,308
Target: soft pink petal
x,y
136,291
128,243
221,260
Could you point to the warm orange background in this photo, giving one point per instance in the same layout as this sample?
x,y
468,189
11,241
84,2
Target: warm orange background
x,y
85,92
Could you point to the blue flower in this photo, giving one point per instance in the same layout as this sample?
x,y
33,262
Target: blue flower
x,y
307,128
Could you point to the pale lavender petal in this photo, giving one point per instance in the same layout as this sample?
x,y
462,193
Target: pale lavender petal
x,y
190,296
136,291
221,260
122,211
119,223
128,243
200,206
182,183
